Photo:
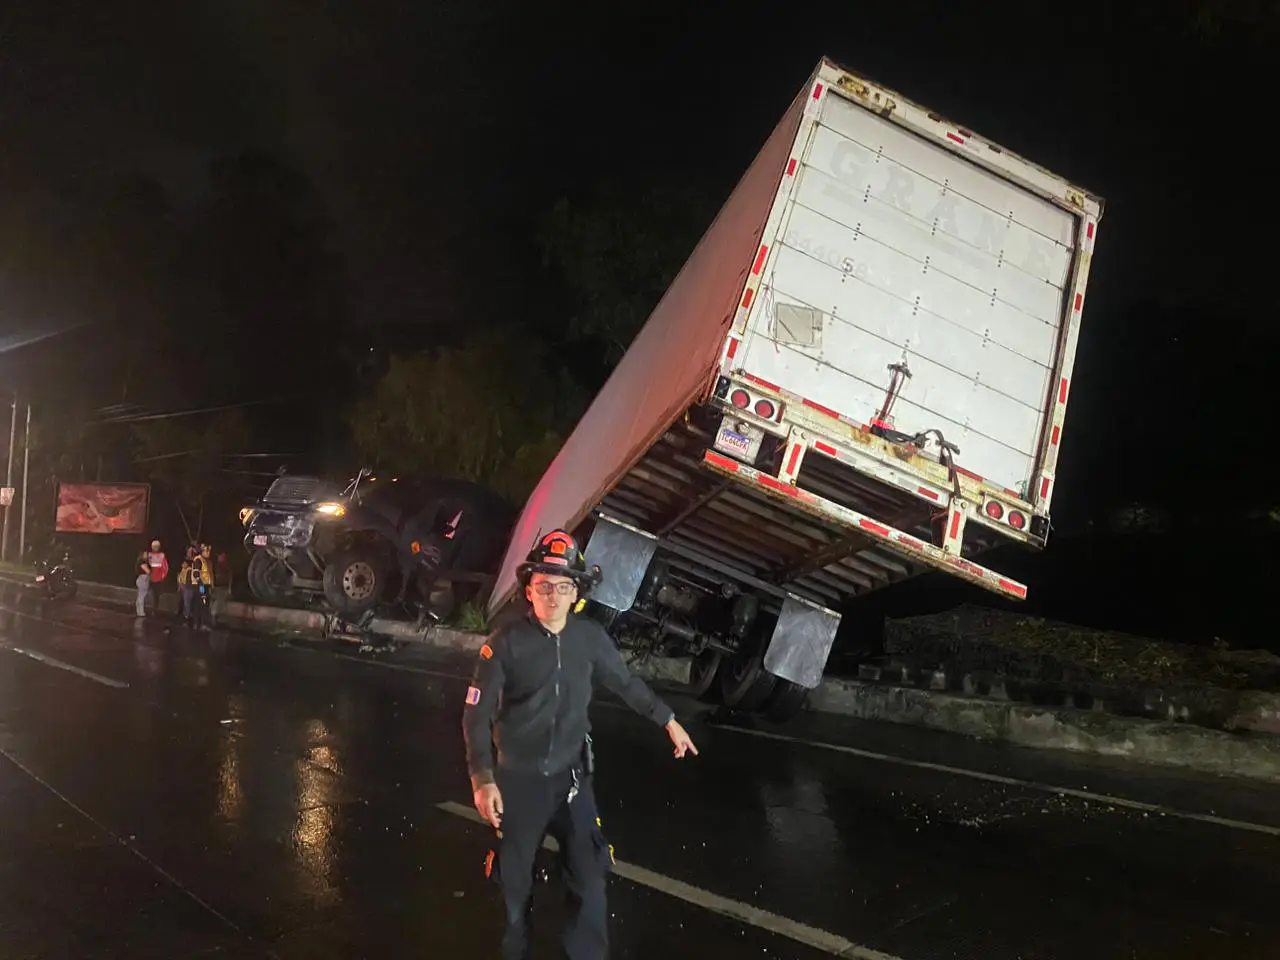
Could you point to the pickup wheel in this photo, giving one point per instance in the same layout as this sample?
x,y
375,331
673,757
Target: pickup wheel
x,y
270,581
786,701
745,683
355,580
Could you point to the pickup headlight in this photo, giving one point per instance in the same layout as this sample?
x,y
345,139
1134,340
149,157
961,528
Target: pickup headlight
x,y
331,509
246,514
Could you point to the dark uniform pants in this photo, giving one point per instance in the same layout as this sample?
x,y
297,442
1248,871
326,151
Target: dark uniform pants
x,y
534,805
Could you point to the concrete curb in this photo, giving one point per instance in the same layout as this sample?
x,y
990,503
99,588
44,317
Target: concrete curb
x,y
1085,731
304,620
1253,755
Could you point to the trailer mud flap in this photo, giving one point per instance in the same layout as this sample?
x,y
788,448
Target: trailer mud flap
x,y
801,642
623,553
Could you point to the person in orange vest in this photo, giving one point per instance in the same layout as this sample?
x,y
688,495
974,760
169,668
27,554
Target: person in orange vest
x,y
202,582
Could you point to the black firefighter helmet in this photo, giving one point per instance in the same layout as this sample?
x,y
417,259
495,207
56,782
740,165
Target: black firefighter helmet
x,y
557,554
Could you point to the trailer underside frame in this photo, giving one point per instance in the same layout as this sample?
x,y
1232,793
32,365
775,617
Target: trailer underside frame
x,y
830,537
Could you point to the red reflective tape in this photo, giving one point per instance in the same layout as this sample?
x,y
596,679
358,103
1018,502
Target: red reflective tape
x,y
970,568
1079,301
873,527
955,525
1055,436
721,461
1044,487
821,409
952,136
1016,589
970,474
911,542
817,91
1062,391
925,491
791,169
760,380
775,484
1088,230
746,298
795,458
759,265
826,448
733,347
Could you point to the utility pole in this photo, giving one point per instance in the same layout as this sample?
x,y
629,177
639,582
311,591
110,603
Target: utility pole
x,y
13,430
26,461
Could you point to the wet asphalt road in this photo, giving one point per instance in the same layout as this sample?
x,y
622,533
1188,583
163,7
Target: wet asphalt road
x,y
175,795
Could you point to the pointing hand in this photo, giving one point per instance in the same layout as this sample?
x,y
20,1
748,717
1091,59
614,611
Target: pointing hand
x,y
680,739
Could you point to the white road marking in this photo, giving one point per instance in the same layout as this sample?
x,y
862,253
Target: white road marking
x,y
1016,782
51,662
1159,809
131,847
831,943
1125,802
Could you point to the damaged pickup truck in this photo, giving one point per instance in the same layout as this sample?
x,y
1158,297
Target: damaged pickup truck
x,y
426,547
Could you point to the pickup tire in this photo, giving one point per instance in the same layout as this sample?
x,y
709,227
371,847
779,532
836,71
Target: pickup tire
x,y
355,580
786,701
270,581
745,684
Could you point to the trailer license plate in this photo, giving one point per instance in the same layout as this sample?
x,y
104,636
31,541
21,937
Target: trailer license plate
x,y
259,540
739,440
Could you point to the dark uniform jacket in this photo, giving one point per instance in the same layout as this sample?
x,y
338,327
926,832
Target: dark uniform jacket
x,y
530,695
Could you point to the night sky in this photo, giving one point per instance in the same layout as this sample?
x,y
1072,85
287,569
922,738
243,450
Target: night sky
x,y
435,130
437,134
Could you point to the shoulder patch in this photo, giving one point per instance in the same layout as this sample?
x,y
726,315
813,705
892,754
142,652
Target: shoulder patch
x,y
473,696
486,652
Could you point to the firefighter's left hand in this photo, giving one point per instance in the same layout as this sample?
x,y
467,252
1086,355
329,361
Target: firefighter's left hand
x,y
680,739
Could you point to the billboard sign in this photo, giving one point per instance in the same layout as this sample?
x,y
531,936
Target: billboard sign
x,y
102,508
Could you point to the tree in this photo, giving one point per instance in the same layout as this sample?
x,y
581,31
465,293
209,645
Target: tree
x,y
618,251
485,412
185,459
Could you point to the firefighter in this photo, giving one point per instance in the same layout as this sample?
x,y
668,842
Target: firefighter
x,y
532,688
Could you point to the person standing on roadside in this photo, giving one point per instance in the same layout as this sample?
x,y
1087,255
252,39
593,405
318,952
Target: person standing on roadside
x,y
202,588
158,564
143,582
531,692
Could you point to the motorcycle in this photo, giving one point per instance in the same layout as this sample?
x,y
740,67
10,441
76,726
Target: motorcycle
x,y
57,582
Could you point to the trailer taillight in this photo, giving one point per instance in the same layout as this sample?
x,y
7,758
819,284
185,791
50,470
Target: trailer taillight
x,y
1017,520
740,399
994,509
765,409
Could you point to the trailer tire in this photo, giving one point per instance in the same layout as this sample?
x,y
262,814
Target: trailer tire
x,y
703,673
745,684
786,701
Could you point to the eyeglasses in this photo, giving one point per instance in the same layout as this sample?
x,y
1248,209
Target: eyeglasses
x,y
546,589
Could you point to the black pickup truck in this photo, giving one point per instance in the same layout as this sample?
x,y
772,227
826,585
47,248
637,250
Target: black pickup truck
x,y
426,545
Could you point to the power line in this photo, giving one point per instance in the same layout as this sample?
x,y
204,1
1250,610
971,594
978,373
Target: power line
x,y
138,418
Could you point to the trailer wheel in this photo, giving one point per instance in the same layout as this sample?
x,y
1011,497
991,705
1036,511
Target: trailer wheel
x,y
745,683
703,673
786,701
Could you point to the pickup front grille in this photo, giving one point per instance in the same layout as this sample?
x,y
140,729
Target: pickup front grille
x,y
289,489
